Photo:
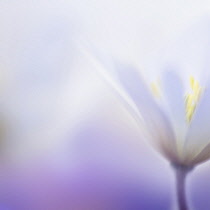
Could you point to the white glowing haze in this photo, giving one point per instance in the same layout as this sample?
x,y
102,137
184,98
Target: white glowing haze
x,y
41,61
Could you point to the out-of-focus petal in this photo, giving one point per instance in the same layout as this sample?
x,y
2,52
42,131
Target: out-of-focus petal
x,y
202,156
131,88
156,120
173,96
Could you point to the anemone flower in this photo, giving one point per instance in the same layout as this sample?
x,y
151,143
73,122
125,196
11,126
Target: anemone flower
x,y
172,114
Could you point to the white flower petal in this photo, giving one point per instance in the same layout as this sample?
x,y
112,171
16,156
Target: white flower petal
x,y
105,68
127,82
156,120
174,98
203,156
198,135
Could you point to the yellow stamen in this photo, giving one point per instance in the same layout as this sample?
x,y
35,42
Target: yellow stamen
x,y
192,98
155,89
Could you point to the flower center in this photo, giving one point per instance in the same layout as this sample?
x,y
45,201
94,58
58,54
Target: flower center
x,y
192,98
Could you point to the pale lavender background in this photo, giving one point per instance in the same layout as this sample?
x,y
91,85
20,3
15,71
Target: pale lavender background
x,y
72,145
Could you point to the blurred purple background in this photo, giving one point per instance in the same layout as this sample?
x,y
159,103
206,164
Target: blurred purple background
x,y
70,144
